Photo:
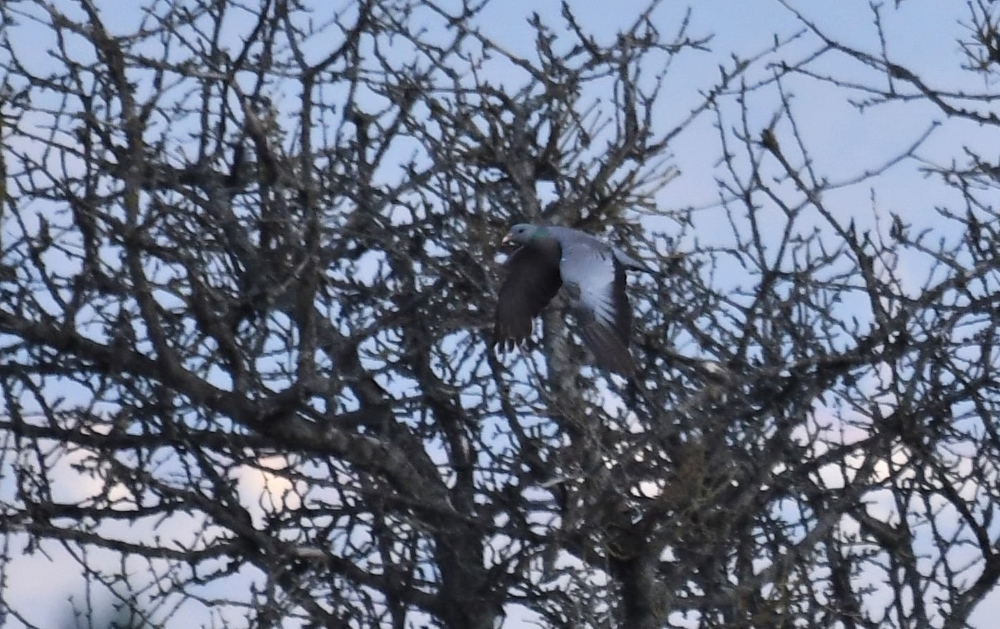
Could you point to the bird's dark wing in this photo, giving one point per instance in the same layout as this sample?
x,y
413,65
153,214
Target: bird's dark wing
x,y
595,282
532,281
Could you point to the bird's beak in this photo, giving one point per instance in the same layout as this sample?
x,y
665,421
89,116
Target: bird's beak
x,y
506,239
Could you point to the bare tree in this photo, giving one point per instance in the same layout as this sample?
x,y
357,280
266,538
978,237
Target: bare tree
x,y
249,262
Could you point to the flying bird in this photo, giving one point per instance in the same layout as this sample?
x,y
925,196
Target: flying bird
x,y
593,275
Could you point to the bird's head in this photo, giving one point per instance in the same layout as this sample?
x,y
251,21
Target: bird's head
x,y
522,234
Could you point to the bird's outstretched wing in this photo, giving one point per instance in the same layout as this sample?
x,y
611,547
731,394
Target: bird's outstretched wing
x,y
595,282
532,281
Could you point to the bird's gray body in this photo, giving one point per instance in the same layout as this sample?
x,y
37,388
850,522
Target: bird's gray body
x,y
579,241
593,274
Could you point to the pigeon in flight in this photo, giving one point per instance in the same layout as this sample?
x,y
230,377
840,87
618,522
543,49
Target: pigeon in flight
x,y
593,275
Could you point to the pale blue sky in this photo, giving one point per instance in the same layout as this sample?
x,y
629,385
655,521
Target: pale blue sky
x,y
844,143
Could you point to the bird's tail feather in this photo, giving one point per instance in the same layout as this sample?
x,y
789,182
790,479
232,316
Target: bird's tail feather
x,y
609,350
